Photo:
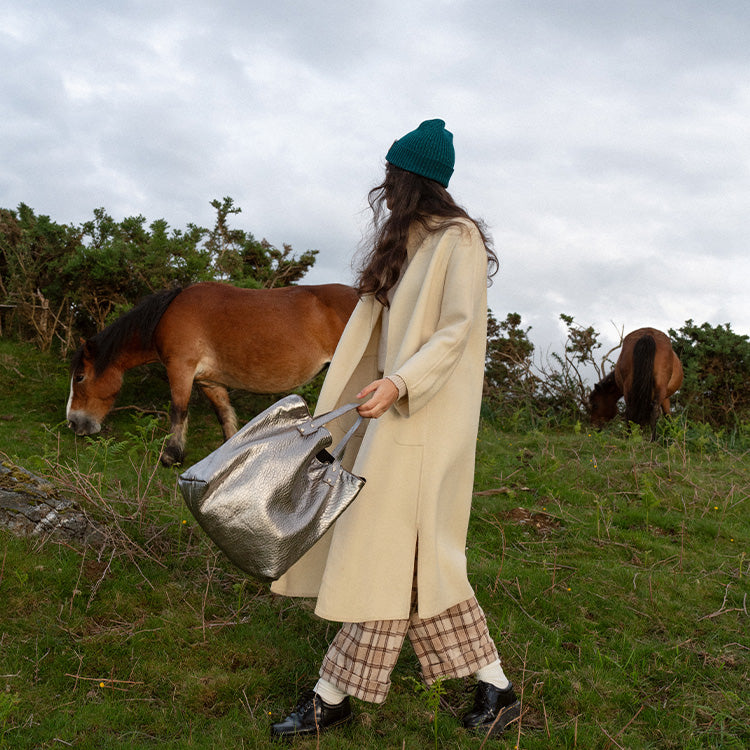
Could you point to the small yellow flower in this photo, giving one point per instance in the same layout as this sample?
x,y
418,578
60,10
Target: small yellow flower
x,y
716,507
101,684
184,521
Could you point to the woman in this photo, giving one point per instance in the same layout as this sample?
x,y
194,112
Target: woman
x,y
394,564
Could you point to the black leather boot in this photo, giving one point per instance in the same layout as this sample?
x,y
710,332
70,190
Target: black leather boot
x,y
493,709
311,716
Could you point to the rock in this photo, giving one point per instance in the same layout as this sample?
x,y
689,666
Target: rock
x,y
29,506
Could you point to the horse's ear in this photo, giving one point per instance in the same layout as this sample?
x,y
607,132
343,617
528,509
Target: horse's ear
x,y
88,349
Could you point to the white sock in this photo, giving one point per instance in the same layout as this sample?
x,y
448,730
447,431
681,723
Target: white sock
x,y
329,693
493,673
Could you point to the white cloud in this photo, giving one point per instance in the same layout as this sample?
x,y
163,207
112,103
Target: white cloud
x,y
605,144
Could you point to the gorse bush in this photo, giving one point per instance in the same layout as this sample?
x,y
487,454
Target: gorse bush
x,y
63,281
716,361
521,391
60,282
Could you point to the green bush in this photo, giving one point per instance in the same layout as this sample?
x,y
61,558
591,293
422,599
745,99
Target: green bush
x,y
62,282
716,361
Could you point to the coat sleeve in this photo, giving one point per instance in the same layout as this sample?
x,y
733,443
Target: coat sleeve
x,y
463,306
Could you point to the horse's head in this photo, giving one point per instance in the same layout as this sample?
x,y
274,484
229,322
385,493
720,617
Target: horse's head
x,y
603,400
92,391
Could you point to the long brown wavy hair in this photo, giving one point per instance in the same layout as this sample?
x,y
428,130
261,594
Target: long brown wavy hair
x,y
400,201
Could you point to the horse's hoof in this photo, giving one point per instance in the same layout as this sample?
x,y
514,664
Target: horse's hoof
x,y
171,458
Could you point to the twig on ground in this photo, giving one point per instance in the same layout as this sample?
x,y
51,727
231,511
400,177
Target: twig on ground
x,y
500,491
723,610
106,682
609,737
633,718
518,604
521,697
98,583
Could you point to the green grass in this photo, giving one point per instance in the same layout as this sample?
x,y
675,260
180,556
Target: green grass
x,y
614,574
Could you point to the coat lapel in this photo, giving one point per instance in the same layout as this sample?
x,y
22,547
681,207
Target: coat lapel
x,y
349,352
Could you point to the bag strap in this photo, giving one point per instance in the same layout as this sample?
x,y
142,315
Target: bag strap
x,y
323,419
338,451
315,424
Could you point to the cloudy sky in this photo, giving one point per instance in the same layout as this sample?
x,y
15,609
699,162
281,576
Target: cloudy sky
x,y
606,144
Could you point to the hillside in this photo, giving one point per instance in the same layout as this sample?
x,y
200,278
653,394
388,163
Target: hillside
x,y
614,573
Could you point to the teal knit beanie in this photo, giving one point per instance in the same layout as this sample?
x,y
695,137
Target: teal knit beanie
x,y
426,151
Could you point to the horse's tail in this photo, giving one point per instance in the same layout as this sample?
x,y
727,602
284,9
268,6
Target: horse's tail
x,y
639,404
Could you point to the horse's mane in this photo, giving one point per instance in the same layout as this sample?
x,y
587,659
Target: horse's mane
x,y
607,383
141,321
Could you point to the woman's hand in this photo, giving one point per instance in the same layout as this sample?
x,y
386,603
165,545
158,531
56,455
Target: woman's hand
x,y
384,395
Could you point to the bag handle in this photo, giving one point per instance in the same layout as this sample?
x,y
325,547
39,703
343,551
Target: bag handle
x,y
335,470
315,424
338,451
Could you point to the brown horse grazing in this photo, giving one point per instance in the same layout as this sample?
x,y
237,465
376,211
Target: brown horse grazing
x,y
647,373
220,336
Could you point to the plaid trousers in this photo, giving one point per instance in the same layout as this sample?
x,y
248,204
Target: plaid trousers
x,y
455,643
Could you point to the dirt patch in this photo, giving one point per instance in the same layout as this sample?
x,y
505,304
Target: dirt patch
x,y
542,523
29,506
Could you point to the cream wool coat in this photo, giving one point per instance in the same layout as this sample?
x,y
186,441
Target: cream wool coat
x,y
418,458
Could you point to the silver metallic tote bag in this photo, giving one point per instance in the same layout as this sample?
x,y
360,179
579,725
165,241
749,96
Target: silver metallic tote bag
x,y
272,490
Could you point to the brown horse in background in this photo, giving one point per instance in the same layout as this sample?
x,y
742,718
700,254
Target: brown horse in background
x,y
647,373
220,336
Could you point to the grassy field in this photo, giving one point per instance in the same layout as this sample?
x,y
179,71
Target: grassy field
x,y
614,573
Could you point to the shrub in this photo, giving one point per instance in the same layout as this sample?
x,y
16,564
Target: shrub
x,y
716,361
63,282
